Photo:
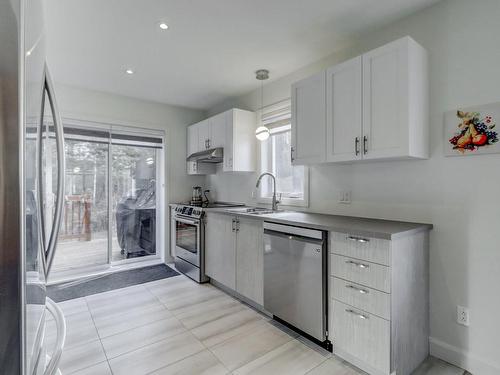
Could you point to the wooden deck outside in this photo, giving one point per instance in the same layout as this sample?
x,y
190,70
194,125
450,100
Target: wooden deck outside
x,y
76,254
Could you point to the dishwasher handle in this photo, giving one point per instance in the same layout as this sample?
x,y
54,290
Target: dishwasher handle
x,y
293,237
290,230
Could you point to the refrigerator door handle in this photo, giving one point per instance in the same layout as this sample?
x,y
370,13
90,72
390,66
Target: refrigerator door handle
x,y
56,312
59,134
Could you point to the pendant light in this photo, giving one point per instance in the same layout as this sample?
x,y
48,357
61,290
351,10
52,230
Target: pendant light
x,y
262,133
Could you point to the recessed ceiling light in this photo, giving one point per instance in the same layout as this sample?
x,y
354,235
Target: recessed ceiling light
x,y
163,26
129,71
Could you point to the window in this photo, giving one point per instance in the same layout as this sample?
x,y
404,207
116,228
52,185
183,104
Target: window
x,y
291,181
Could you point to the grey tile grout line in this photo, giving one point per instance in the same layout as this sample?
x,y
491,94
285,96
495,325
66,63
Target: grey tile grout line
x,y
205,346
143,346
315,367
99,336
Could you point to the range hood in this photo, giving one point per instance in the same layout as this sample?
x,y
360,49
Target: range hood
x,y
212,155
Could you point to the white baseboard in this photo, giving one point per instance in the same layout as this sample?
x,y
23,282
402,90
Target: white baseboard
x,y
462,358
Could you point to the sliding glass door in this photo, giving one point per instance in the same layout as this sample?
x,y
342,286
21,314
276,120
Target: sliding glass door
x,y
83,237
111,210
134,205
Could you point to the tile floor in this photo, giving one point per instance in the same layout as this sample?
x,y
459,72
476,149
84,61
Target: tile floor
x,y
175,326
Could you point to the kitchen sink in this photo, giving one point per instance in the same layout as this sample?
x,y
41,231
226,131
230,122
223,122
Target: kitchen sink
x,y
254,210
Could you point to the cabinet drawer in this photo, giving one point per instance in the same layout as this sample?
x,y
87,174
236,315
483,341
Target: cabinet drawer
x,y
361,297
362,272
361,335
372,249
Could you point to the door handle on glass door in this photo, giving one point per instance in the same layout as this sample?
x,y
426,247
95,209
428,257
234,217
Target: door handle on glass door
x,y
59,132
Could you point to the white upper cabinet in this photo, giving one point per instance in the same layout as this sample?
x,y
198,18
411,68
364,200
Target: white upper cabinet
x,y
241,144
395,101
309,120
233,130
218,125
203,135
192,139
376,108
343,111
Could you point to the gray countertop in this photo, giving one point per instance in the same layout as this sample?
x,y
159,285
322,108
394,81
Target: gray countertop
x,y
357,226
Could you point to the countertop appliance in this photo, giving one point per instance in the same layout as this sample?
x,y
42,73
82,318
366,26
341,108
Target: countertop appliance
x,y
196,198
31,132
295,278
189,239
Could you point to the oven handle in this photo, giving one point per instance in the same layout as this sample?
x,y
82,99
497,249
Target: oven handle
x,y
186,221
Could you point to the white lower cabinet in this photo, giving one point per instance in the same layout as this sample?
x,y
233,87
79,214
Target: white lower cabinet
x,y
362,336
379,301
234,254
220,249
250,259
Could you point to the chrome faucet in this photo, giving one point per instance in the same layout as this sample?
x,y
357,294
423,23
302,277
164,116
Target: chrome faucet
x,y
275,201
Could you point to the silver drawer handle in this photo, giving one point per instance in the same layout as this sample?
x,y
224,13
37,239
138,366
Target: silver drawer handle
x,y
357,264
358,239
362,291
359,315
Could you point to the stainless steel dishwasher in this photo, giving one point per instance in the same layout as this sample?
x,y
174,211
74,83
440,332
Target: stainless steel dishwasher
x,y
295,277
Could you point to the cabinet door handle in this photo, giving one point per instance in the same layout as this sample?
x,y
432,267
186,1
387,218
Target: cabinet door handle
x,y
291,154
359,315
357,264
358,239
365,144
356,145
362,291
232,225
208,143
237,221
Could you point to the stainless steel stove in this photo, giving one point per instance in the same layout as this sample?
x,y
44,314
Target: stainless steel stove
x,y
189,250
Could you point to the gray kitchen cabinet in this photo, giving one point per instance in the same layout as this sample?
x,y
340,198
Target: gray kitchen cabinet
x,y
379,301
234,254
220,249
250,259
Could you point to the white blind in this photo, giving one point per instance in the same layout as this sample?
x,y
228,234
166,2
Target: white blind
x,y
277,115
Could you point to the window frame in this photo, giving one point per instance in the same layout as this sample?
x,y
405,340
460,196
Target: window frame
x,y
304,202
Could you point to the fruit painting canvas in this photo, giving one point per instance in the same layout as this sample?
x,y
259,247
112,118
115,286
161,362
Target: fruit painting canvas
x,y
472,131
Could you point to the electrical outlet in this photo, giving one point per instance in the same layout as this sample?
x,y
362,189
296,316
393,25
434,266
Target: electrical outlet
x,y
345,196
463,316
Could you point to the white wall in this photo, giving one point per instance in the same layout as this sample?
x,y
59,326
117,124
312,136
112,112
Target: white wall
x,y
97,106
457,194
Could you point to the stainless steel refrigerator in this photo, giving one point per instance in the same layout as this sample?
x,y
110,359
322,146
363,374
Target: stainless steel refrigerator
x,y
31,192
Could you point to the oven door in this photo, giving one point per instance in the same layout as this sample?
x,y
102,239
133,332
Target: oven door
x,y
187,239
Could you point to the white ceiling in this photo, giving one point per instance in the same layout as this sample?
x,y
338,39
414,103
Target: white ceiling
x,y
212,48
